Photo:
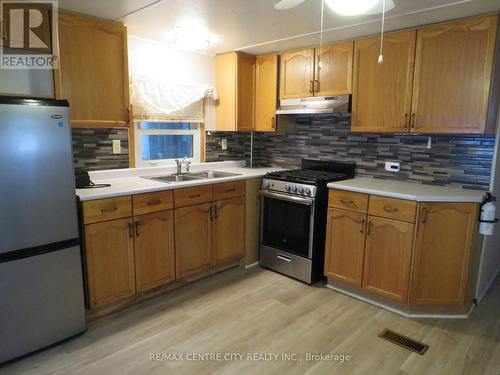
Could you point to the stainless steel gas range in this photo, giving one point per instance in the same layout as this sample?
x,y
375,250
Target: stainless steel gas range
x,y
293,218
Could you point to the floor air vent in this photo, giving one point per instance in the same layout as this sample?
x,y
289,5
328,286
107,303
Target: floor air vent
x,y
404,341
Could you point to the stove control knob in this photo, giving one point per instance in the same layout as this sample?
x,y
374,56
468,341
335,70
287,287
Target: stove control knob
x,y
294,189
267,184
308,191
287,187
301,190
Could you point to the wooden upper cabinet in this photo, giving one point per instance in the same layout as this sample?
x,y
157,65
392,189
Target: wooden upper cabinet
x,y
388,252
382,92
297,74
229,229
93,70
333,69
109,249
442,252
154,250
345,246
235,83
266,92
193,239
453,69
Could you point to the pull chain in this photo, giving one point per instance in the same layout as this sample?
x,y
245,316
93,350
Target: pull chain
x,y
381,56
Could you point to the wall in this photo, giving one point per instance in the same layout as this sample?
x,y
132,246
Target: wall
x,y
93,150
463,161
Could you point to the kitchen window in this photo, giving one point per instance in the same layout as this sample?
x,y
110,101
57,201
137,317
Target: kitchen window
x,y
161,142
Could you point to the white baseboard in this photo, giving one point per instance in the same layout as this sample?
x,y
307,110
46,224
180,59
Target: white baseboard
x,y
483,292
251,265
399,312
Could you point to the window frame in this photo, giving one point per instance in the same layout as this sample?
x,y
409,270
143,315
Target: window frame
x,y
138,133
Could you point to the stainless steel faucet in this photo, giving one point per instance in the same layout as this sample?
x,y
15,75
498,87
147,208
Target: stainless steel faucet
x,y
179,163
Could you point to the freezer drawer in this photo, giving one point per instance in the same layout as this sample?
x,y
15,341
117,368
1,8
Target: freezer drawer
x,y
41,301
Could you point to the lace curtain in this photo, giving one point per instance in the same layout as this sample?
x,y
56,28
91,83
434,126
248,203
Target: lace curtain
x,y
153,98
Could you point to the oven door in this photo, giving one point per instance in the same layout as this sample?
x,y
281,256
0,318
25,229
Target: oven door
x,y
287,223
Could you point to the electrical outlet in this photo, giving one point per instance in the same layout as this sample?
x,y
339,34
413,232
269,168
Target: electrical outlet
x,y
392,166
224,144
117,146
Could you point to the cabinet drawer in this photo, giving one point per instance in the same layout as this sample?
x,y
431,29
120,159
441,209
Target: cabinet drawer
x,y
107,209
229,190
152,202
348,200
194,195
391,208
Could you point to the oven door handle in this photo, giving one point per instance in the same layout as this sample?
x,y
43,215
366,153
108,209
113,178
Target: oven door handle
x,y
288,198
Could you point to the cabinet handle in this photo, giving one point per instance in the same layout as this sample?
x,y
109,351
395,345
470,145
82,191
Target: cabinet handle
x,y
137,228
273,122
154,203
211,212
316,85
368,227
406,120
362,222
390,209
413,121
311,88
108,210
230,190
216,212
347,201
194,195
130,230
424,215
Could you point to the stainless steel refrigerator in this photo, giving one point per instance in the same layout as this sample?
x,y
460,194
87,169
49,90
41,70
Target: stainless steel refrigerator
x,y
41,286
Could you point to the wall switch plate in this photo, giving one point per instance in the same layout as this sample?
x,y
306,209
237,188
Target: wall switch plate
x,y
392,166
117,146
223,144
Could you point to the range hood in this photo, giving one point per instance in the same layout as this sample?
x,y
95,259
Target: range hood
x,y
315,105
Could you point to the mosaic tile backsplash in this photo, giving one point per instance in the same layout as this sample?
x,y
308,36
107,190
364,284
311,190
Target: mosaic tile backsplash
x,y
93,149
453,160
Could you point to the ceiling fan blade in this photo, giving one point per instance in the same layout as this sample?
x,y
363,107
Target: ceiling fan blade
x,y
377,8
287,4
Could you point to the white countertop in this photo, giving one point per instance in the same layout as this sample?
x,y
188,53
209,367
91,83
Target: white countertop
x,y
130,181
407,190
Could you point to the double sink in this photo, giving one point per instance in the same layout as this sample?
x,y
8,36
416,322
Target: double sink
x,y
172,178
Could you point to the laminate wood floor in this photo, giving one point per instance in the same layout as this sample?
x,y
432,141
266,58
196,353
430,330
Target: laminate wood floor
x,y
259,311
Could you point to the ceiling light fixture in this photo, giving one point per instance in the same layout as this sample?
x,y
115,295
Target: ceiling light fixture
x,y
191,37
358,7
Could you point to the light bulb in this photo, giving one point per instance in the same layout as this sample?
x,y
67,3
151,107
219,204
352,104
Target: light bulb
x,y
351,7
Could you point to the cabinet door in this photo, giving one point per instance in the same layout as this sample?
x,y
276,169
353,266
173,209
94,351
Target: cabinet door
x,y
109,249
245,83
345,246
381,96
225,108
388,251
443,246
193,239
93,70
266,92
334,69
297,74
453,66
154,250
229,229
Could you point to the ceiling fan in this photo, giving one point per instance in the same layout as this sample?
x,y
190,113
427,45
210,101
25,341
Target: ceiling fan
x,y
344,7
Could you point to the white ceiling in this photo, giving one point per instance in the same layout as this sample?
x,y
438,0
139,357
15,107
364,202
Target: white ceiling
x,y
254,26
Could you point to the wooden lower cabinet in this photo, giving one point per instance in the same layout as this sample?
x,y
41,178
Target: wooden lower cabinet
x,y
193,239
110,261
229,230
154,250
442,252
388,251
345,246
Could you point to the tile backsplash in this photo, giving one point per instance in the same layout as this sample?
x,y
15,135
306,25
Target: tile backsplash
x,y
93,149
455,160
